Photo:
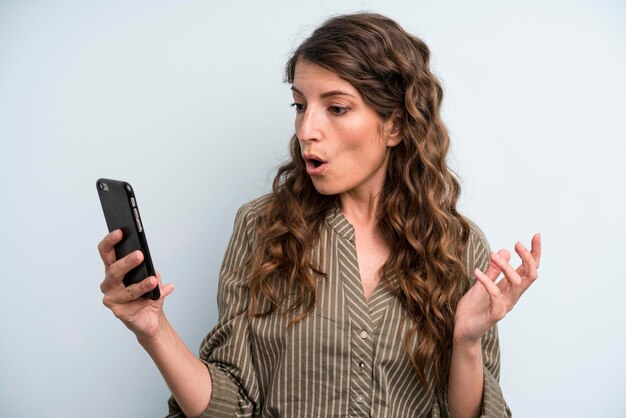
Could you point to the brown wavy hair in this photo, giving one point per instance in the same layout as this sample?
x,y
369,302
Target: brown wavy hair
x,y
416,211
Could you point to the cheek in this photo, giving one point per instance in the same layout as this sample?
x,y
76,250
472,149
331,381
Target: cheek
x,y
297,122
359,146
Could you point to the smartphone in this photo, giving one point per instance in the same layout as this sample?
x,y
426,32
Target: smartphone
x,y
121,211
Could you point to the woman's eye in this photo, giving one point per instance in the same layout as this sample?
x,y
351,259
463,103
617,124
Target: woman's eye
x,y
298,106
338,110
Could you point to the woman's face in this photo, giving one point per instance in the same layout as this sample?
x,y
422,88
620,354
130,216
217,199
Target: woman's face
x,y
344,142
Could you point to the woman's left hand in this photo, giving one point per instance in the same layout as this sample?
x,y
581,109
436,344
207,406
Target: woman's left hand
x,y
489,301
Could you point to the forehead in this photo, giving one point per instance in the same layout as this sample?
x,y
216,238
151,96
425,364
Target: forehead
x,y
311,78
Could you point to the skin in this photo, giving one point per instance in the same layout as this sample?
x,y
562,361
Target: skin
x,y
486,303
186,376
347,133
335,124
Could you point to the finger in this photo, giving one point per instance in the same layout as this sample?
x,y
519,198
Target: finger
x,y
487,283
166,289
535,249
127,311
116,272
106,247
510,274
126,264
496,299
493,271
504,254
528,268
129,293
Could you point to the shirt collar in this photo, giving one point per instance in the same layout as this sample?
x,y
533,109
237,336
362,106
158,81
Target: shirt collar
x,y
339,223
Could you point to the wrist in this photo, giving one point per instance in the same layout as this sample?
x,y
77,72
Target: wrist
x,y
156,338
467,353
466,344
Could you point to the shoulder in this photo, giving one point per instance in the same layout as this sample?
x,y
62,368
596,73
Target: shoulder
x,y
248,216
243,235
252,210
477,248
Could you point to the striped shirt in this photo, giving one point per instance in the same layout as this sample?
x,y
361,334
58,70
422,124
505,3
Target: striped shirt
x,y
345,359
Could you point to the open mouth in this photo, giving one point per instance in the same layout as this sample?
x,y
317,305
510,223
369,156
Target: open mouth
x,y
316,163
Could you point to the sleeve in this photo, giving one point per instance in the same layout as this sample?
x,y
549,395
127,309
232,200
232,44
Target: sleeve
x,y
493,405
226,350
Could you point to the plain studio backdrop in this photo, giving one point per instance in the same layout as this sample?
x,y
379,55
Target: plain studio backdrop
x,y
186,101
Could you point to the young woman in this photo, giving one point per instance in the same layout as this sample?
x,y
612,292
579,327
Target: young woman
x,y
355,288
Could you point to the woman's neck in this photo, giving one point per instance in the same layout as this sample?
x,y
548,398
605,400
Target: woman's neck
x,y
359,208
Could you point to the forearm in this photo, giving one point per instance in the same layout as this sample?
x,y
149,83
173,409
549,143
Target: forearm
x,y
465,384
186,376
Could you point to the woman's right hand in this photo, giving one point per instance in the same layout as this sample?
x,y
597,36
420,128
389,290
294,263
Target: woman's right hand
x,y
144,317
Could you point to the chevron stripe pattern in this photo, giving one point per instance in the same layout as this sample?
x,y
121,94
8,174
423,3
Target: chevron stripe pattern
x,y
346,359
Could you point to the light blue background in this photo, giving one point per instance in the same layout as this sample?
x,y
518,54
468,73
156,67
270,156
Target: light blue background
x,y
186,101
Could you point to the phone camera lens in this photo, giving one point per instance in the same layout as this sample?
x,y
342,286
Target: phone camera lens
x,y
101,186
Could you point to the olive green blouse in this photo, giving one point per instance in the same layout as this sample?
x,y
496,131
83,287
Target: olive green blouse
x,y
346,359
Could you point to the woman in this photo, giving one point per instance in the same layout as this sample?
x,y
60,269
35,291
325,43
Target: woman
x,y
349,290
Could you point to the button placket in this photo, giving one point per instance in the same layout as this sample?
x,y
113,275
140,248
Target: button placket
x,y
363,349
361,344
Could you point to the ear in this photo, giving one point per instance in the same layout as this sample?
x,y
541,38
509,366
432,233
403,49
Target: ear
x,y
393,133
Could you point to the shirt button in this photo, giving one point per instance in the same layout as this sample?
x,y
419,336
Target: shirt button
x,y
363,334
359,399
361,365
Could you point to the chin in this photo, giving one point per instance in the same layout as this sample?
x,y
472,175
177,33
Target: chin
x,y
324,187
326,191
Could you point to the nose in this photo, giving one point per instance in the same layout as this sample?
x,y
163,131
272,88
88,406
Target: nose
x,y
308,125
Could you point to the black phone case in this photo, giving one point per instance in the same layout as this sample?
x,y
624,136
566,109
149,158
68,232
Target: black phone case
x,y
121,212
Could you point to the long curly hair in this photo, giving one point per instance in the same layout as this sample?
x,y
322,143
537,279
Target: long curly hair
x,y
416,211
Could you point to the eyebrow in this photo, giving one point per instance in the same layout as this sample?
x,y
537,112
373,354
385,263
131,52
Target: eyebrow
x,y
326,94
